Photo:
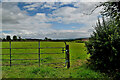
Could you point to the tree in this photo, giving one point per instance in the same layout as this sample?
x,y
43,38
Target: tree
x,y
19,38
49,39
0,39
104,47
111,9
46,38
8,38
15,37
3,39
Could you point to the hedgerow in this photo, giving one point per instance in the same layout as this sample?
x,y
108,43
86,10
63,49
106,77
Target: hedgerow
x,y
104,47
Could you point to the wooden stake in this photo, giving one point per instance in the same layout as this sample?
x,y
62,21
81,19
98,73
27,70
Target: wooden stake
x,y
68,56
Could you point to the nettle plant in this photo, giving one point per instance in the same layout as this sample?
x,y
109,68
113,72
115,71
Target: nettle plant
x,y
104,46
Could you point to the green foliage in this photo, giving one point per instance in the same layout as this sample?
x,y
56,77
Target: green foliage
x,y
104,46
8,38
111,9
15,37
46,38
3,39
19,38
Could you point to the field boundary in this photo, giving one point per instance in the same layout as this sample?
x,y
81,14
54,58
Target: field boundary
x,y
64,50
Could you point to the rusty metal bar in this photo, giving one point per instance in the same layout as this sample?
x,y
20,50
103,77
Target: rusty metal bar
x,y
24,59
31,59
4,59
13,64
18,53
29,53
19,59
53,63
4,48
33,48
52,47
50,53
19,48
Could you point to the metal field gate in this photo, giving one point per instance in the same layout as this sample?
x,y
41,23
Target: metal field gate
x,y
64,49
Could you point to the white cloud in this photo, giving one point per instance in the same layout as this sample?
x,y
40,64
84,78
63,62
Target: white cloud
x,y
0,19
32,6
19,23
11,14
31,9
74,15
40,14
36,26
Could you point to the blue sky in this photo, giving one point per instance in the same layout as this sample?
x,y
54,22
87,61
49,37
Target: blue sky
x,y
46,11
48,19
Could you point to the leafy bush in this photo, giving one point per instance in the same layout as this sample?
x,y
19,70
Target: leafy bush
x,y
104,46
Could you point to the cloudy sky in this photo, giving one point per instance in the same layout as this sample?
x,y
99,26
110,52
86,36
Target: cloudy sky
x,y
56,20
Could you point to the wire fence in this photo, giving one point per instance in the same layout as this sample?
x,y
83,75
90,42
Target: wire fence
x,y
65,50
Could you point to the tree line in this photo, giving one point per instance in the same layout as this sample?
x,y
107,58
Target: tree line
x,y
15,38
18,38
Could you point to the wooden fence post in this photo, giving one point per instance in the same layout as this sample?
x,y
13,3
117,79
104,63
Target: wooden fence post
x,y
67,56
10,53
39,53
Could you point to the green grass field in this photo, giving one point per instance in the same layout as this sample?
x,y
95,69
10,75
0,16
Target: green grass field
x,y
78,56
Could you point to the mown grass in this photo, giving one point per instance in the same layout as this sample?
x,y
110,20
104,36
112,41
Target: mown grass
x,y
78,61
